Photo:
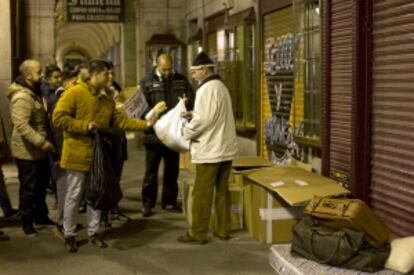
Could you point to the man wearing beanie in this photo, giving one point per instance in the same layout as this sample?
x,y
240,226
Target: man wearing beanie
x,y
213,138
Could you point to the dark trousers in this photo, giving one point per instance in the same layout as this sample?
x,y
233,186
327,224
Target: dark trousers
x,y
153,156
34,177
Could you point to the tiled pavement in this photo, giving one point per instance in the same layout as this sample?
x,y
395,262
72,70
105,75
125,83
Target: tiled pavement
x,y
142,246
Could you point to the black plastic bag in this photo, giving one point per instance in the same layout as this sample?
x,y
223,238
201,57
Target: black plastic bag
x,y
103,190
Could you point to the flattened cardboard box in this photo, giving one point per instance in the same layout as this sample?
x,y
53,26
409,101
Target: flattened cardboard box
x,y
295,185
245,165
274,199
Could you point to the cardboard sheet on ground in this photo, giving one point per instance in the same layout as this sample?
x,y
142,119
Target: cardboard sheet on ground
x,y
296,185
245,165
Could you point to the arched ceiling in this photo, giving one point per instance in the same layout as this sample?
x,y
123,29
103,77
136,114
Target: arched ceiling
x,y
93,38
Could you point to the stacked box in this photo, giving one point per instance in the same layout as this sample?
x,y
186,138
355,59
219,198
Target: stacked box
x,y
185,162
236,211
274,199
268,217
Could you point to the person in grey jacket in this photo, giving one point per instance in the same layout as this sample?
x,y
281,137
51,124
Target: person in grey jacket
x,y
30,145
212,133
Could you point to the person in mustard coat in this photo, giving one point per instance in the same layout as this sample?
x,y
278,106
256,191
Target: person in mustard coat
x,y
80,111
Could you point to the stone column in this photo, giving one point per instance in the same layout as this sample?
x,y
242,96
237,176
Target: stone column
x,y
128,48
5,61
40,24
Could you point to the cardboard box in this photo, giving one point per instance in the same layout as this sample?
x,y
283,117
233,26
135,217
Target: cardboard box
x,y
236,210
276,218
240,166
295,185
244,165
185,162
274,198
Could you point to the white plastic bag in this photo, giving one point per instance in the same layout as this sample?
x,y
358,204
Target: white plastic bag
x,y
169,129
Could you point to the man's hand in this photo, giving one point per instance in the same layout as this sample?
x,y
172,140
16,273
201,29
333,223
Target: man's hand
x,y
48,147
188,115
152,120
92,126
183,98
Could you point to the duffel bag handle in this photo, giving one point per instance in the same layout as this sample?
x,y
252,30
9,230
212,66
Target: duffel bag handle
x,y
324,261
317,201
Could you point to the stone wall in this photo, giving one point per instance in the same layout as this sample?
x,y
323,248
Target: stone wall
x,y
152,17
40,40
5,60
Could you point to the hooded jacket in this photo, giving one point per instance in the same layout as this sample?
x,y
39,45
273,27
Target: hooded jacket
x,y
29,118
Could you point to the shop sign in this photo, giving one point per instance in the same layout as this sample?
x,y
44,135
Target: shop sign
x,y
95,10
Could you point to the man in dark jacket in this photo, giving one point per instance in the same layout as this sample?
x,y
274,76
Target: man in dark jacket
x,y
162,84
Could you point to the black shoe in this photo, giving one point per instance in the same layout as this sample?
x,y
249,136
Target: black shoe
x,y
190,240
172,207
30,232
46,222
12,215
147,212
3,236
97,240
71,245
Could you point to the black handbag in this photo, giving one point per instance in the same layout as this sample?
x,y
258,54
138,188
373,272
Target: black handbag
x,y
344,248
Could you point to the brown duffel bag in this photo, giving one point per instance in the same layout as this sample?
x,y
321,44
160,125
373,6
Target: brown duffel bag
x,y
348,213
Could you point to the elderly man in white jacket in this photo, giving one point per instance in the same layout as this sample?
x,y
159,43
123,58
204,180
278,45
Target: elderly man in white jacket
x,y
212,133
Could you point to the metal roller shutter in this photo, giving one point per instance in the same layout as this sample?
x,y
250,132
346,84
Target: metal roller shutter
x,y
275,24
342,63
392,180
